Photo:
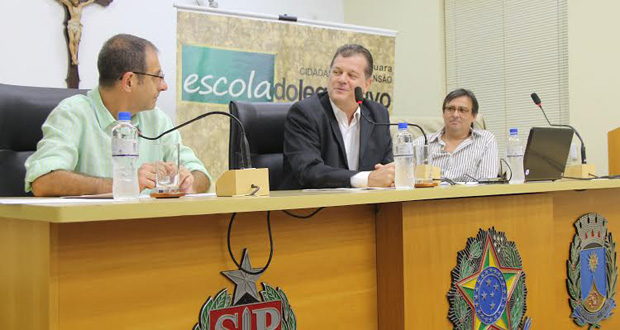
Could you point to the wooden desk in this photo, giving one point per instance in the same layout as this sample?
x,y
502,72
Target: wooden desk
x,y
371,260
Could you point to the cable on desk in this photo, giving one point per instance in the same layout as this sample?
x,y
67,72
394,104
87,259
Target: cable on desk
x,y
303,216
256,189
471,177
501,170
575,178
247,271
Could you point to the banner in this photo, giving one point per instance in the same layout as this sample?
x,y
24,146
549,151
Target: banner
x,y
225,58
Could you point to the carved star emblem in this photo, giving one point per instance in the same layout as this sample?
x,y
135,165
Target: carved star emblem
x,y
467,287
245,284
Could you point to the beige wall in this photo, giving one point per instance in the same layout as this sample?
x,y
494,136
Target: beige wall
x,y
420,61
594,73
594,61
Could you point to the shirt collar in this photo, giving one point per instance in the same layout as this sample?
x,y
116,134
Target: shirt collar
x,y
341,116
104,117
436,137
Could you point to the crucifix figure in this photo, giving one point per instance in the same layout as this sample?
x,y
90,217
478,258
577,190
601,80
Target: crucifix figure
x,y
73,18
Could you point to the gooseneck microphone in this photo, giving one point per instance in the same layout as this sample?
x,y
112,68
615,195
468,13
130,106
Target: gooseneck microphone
x,y
359,98
245,146
537,101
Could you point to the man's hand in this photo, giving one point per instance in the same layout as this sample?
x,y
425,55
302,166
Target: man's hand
x,y
186,180
382,176
146,176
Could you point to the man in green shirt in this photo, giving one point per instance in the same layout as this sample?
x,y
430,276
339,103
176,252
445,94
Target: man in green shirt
x,y
74,156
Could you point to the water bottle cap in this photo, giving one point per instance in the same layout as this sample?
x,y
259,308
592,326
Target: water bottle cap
x,y
514,131
124,115
402,126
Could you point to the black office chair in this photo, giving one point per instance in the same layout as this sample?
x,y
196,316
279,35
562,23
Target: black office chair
x,y
22,112
264,128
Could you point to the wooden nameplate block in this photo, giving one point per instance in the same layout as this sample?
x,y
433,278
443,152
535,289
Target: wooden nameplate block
x,y
249,181
583,171
175,194
426,185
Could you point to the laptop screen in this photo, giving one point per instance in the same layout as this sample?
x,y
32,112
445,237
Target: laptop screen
x,y
546,153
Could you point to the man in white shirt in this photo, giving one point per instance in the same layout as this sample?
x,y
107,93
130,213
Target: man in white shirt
x,y
462,152
330,141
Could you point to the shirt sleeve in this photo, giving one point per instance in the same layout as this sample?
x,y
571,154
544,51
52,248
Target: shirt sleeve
x,y
360,180
489,164
58,149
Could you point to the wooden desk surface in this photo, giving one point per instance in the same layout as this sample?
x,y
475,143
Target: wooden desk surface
x,y
279,200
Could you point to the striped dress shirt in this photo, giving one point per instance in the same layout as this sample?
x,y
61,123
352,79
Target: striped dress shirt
x,y
476,158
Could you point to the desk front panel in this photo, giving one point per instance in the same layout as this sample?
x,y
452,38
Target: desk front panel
x,y
418,243
434,232
157,273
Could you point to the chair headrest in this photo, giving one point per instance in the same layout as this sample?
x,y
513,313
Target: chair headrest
x,y
263,123
23,110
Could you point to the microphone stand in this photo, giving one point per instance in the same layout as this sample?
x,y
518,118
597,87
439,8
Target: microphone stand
x,y
246,162
427,167
582,171
583,147
245,181
396,124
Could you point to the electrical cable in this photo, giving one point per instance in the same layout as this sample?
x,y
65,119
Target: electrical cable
x,y
396,124
303,216
256,189
244,145
232,256
507,165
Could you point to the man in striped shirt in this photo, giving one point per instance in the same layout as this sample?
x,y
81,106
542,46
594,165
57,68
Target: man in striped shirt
x,y
462,152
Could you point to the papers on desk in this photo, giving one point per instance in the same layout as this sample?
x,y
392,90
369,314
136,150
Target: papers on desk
x,y
96,196
200,195
83,199
42,200
347,189
458,183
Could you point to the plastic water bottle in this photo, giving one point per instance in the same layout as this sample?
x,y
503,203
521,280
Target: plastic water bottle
x,y
124,156
514,152
403,158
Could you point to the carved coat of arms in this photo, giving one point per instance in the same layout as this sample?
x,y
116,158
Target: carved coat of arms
x,y
488,285
246,310
592,271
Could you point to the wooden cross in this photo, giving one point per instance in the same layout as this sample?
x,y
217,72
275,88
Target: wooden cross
x,y
73,34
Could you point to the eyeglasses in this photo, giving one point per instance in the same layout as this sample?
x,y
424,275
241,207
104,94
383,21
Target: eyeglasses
x,y
150,74
452,109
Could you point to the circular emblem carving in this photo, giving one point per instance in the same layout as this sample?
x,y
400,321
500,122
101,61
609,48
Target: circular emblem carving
x,y
490,295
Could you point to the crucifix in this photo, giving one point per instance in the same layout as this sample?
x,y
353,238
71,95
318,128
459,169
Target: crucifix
x,y
73,34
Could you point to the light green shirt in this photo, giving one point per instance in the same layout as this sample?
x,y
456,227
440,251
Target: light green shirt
x,y
77,138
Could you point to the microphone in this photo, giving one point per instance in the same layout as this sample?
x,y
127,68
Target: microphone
x,y
359,98
359,95
245,146
537,101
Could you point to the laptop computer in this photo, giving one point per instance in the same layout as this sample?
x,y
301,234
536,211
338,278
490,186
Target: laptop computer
x,y
546,153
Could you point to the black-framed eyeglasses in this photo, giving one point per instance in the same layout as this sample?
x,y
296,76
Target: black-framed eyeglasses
x,y
150,74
